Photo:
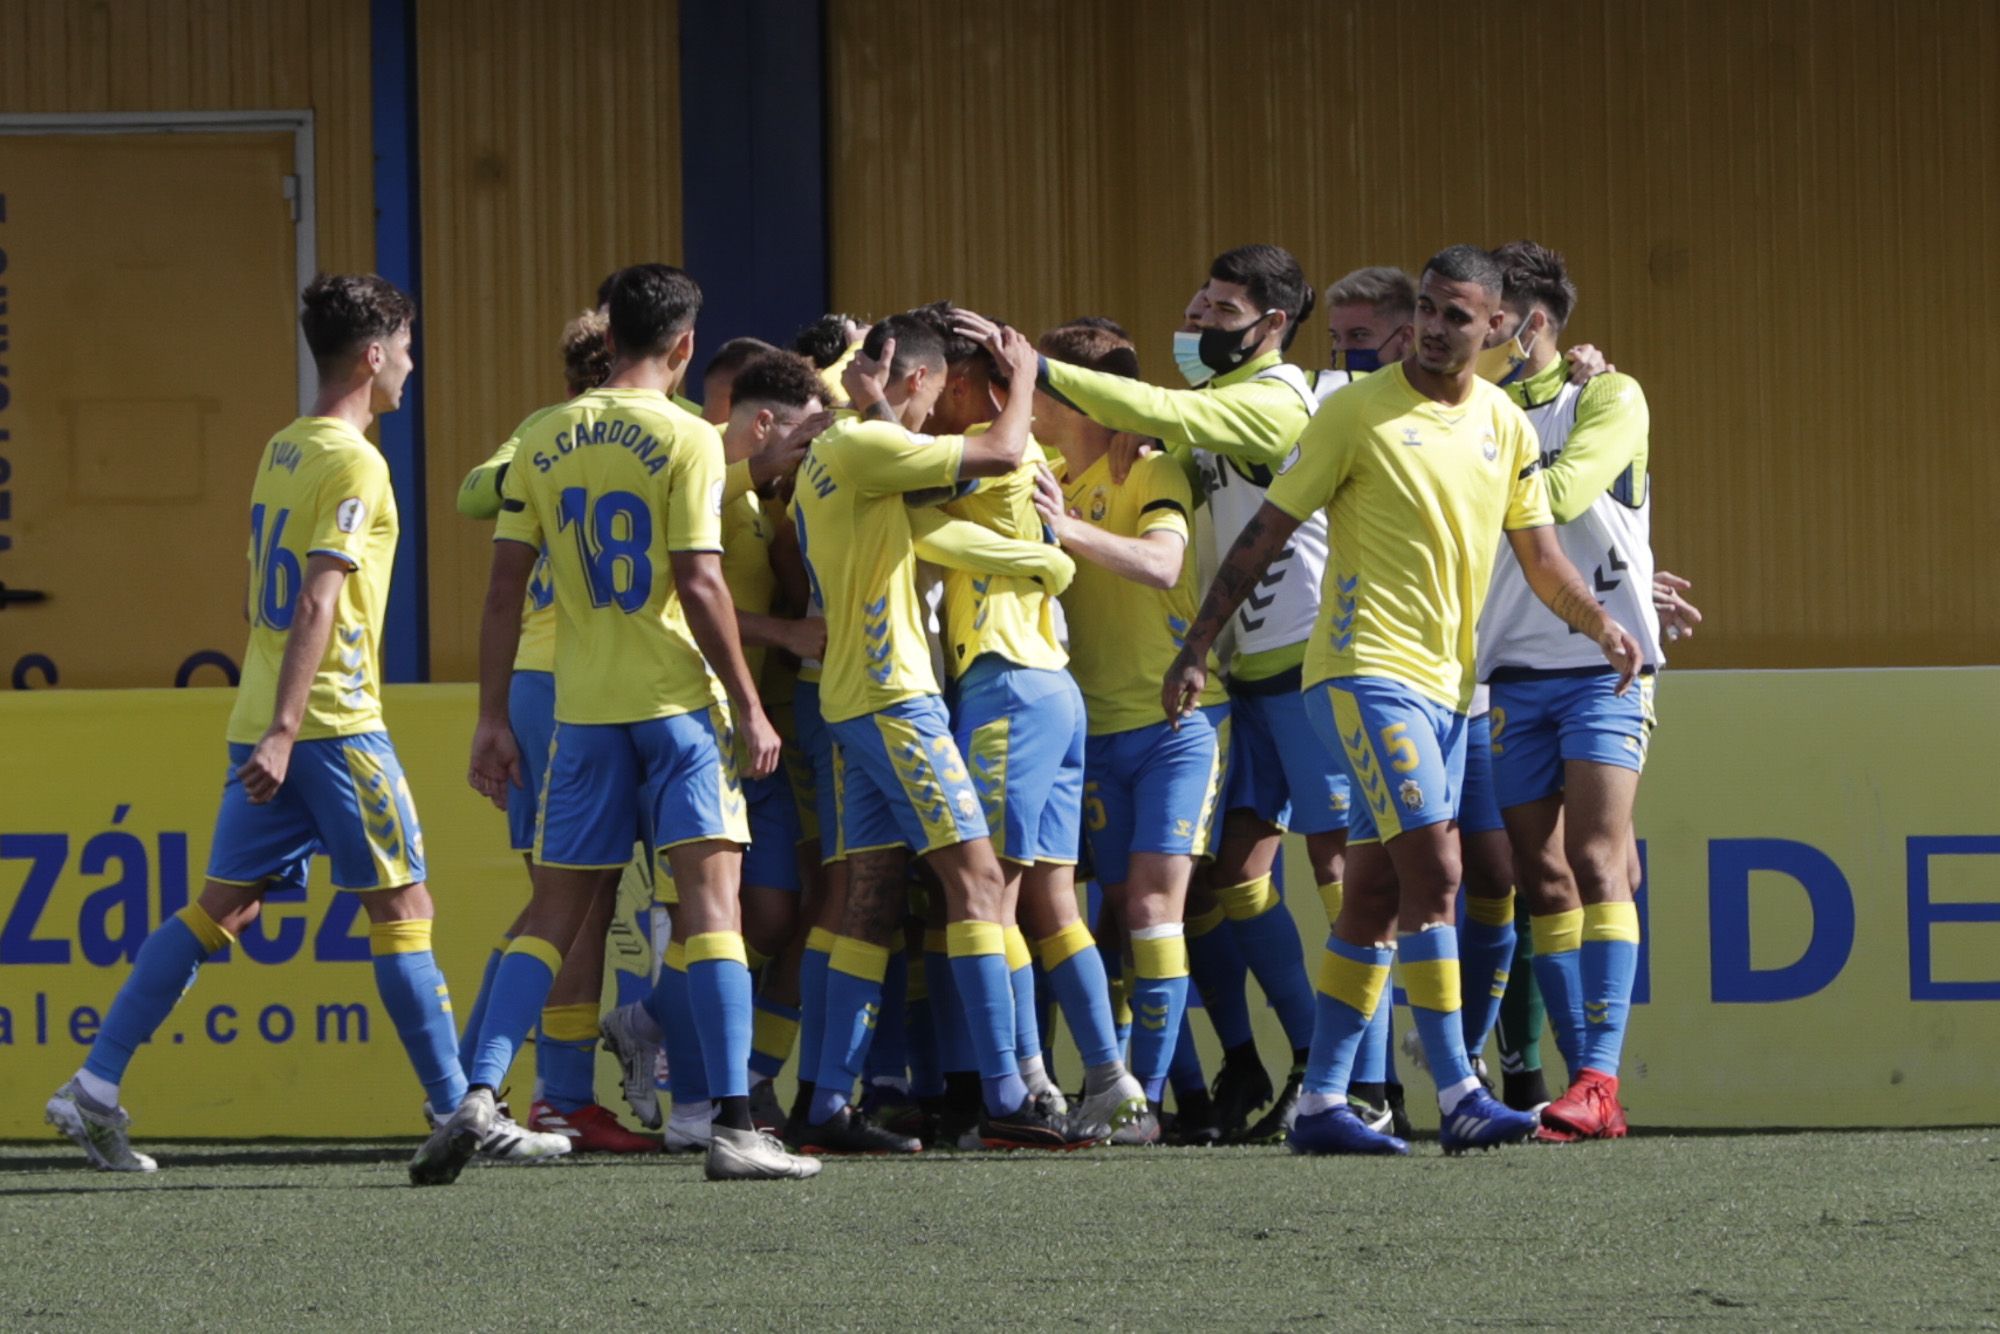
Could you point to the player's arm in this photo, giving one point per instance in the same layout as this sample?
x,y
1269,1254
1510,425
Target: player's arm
x,y
800,637
961,544
1609,438
1255,422
1249,556
1153,559
1000,448
305,649
479,493
1563,591
711,615
496,760
1678,616
776,461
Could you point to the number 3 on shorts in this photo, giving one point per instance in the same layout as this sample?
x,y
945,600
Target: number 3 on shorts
x,y
1402,751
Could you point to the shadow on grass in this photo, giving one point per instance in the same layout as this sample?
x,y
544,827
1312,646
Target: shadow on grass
x,y
241,1155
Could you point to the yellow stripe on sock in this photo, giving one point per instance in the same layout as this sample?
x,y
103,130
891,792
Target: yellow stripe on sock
x,y
1355,984
821,939
965,939
917,982
773,1035
756,958
1433,984
1251,899
1490,912
858,958
1330,896
1611,921
1019,956
1121,1002
1065,944
717,947
570,1023
1165,957
1203,923
411,936
936,942
676,956
210,933
1557,931
538,948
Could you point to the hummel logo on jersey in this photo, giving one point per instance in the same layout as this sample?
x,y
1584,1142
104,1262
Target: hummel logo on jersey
x,y
1411,438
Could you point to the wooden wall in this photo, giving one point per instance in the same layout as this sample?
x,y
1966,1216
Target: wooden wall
x,y
75,56
1781,215
550,155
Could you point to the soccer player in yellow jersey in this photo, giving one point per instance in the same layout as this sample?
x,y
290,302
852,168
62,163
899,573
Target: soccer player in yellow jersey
x,y
311,769
1420,468
625,491
1233,428
1567,748
902,783
565,1105
1149,789
1019,721
772,393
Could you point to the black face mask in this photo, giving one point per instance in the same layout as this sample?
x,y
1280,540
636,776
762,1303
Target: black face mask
x,y
1223,350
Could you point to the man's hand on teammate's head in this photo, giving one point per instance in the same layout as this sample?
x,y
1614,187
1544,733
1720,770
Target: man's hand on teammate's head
x,y
496,762
971,324
1586,363
1014,352
1127,449
866,379
1678,616
264,772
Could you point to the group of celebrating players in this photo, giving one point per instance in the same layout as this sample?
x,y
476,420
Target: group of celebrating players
x,y
901,637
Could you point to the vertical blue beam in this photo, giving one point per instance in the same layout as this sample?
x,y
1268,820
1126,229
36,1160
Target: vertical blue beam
x,y
399,258
753,166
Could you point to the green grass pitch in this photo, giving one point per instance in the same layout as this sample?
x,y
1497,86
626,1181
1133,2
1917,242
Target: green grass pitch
x,y
1804,1231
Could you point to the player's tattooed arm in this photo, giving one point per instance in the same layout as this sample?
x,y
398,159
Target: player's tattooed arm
x,y
1563,591
1252,553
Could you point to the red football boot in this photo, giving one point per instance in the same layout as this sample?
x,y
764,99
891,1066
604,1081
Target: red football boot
x,y
591,1129
1589,1109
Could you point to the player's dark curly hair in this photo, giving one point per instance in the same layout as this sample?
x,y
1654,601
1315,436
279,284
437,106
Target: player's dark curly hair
x,y
783,379
1537,275
918,343
342,312
824,341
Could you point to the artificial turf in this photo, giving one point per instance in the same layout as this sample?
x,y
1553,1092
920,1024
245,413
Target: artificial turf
x,y
1822,1230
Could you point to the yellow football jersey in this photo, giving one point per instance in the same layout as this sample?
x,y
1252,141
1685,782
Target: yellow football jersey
x,y
321,489
1122,635
1417,495
996,613
746,566
854,532
611,483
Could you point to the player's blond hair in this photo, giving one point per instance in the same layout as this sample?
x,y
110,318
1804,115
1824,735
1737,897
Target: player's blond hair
x,y
586,352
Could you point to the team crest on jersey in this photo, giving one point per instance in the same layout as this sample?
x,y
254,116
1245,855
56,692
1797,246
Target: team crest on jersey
x,y
1489,446
1412,795
1099,504
350,514
968,805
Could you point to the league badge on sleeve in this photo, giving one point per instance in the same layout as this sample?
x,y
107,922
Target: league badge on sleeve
x,y
350,514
